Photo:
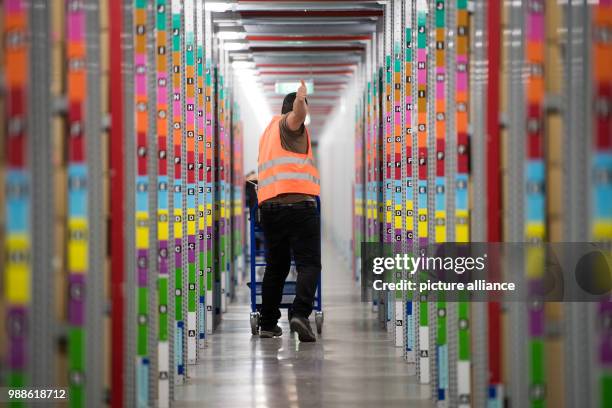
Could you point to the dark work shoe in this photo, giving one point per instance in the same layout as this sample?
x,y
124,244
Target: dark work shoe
x,y
301,325
268,334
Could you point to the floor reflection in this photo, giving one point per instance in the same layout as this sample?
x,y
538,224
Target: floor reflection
x,y
352,364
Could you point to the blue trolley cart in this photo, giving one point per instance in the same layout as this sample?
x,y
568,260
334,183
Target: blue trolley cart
x,y
258,259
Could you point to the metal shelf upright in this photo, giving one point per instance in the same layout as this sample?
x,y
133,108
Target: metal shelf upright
x,y
95,134
44,321
579,340
210,163
516,353
438,111
472,158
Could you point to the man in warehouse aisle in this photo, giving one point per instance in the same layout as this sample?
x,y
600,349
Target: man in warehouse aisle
x,y
288,185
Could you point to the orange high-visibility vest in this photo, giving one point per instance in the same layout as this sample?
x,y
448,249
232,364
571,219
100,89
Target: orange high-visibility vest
x,y
281,171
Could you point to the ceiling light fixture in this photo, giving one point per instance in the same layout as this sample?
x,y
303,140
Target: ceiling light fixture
x,y
235,46
285,87
231,35
217,6
243,64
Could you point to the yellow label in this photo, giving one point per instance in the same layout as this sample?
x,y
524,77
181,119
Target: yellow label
x,y
440,229
191,225
77,245
162,226
142,230
602,230
534,262
178,225
398,218
422,225
389,212
17,281
17,274
201,219
409,218
209,216
534,230
462,228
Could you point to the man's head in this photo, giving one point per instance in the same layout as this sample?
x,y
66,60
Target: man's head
x,y
288,103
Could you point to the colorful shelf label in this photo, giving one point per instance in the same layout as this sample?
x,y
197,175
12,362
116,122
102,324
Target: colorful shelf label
x,y
78,228
177,138
439,23
201,178
410,341
190,134
601,195
422,202
163,222
534,193
18,244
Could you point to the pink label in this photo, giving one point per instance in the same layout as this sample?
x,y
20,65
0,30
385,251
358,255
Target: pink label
x,y
189,115
13,6
75,26
535,27
162,91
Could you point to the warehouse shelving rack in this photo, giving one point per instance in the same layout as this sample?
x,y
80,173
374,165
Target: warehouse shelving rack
x,y
160,206
504,54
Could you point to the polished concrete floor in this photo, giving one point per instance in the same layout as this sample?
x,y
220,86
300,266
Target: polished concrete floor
x,y
352,364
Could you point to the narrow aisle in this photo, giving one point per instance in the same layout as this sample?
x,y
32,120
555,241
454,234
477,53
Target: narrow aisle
x,y
352,364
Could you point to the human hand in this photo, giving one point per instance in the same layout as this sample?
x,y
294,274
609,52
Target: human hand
x,y
302,90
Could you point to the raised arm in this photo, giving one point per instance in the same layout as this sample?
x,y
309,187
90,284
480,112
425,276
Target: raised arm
x,y
297,116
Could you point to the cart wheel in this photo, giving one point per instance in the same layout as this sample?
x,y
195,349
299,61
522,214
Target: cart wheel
x,y
254,323
319,321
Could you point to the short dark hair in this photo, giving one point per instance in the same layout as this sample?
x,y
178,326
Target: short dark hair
x,y
288,103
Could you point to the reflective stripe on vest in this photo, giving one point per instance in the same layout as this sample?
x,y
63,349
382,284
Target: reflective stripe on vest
x,y
284,160
288,176
282,171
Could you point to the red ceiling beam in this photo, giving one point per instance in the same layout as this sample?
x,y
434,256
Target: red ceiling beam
x,y
310,13
340,72
300,65
304,1
312,111
326,106
321,109
317,84
329,83
347,37
309,96
340,48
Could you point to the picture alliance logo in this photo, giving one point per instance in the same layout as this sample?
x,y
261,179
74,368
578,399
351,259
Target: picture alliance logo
x,y
412,264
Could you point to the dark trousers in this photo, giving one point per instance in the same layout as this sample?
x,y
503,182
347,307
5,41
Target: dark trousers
x,y
290,230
